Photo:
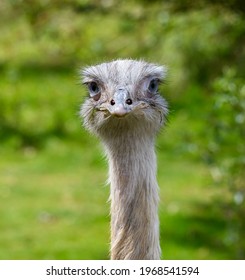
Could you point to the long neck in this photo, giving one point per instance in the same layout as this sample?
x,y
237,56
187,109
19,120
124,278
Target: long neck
x,y
134,198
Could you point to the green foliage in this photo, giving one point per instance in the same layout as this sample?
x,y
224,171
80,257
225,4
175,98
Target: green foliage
x,y
227,119
225,136
34,108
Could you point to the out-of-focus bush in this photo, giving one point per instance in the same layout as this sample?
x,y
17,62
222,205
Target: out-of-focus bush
x,y
49,36
225,152
34,108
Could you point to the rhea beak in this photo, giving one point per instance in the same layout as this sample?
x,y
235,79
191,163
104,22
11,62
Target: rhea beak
x,y
120,104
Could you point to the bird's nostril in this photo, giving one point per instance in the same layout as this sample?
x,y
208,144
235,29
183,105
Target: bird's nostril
x,y
112,102
129,101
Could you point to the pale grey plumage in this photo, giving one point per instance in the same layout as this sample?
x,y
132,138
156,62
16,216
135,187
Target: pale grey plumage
x,y
126,111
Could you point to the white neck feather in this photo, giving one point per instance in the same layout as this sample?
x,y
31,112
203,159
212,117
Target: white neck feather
x,y
134,198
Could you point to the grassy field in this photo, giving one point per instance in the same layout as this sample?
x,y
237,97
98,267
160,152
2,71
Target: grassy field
x,y
54,206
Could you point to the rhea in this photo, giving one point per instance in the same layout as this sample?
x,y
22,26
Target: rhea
x,y
125,110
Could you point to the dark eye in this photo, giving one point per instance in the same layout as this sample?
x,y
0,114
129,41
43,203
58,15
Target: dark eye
x,y
93,87
153,86
94,90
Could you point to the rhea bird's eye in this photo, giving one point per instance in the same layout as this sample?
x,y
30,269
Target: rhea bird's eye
x,y
93,87
94,90
153,86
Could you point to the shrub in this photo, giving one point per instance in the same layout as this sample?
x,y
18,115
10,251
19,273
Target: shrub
x,y
225,139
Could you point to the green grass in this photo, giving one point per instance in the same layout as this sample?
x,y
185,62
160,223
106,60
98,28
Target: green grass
x,y
53,205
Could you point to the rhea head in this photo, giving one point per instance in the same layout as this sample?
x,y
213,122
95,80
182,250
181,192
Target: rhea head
x,y
123,95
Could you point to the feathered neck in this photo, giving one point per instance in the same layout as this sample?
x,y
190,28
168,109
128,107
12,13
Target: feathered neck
x,y
134,198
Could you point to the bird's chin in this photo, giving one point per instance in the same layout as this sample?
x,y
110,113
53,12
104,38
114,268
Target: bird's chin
x,y
120,117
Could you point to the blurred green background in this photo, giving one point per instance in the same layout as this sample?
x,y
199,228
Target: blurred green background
x,y
53,199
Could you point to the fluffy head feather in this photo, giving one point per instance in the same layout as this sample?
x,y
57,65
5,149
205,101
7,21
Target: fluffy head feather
x,y
123,95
